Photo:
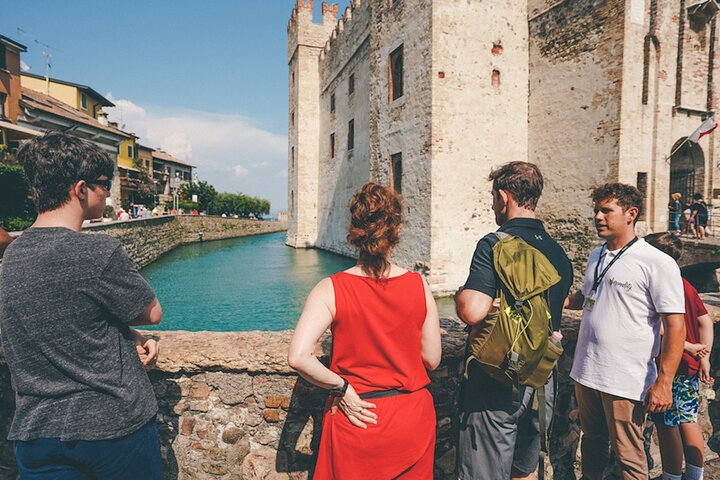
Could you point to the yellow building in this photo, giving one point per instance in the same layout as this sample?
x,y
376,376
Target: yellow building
x,y
80,97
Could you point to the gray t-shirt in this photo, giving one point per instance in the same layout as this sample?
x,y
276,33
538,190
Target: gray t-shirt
x,y
65,301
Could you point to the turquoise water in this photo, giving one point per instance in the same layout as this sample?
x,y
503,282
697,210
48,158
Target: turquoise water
x,y
250,283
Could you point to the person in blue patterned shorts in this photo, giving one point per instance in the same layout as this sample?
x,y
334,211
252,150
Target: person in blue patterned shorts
x,y
678,430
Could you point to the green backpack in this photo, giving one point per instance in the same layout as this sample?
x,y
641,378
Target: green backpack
x,y
512,344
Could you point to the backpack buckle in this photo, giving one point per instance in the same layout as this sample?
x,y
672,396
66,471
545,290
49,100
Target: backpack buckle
x,y
513,361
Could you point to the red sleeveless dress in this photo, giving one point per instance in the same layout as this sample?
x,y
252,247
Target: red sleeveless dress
x,y
377,346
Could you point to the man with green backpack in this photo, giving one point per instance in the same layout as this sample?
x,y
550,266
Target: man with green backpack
x,y
512,302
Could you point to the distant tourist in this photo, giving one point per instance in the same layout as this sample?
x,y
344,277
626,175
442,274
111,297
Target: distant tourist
x,y
155,211
630,289
674,211
385,329
499,440
688,223
699,213
84,404
679,433
5,240
124,215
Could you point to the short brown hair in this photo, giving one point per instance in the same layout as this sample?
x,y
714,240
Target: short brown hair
x,y
375,218
666,242
522,180
626,196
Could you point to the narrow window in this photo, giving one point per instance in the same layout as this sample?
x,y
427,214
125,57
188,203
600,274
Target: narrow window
x,y
292,119
332,145
642,185
3,60
396,161
332,103
292,200
2,105
496,78
292,157
351,84
396,73
351,134
83,101
130,151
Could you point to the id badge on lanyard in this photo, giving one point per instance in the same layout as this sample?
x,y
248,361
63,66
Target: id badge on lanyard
x,y
589,302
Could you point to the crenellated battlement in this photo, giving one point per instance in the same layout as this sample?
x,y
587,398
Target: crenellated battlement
x,y
342,24
303,31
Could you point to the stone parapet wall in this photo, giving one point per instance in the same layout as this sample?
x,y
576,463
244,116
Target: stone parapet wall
x,y
146,240
230,407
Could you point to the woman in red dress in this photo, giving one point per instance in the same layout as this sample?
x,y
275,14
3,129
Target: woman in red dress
x,y
386,333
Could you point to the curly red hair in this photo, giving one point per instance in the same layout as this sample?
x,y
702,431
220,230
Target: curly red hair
x,y
375,218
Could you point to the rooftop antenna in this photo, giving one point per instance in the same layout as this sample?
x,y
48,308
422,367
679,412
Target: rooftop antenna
x,y
48,58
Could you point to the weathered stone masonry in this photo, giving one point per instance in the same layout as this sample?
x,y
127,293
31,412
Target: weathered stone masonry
x,y
592,91
148,239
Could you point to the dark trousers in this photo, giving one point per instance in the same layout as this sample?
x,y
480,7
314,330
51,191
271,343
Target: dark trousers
x,y
135,456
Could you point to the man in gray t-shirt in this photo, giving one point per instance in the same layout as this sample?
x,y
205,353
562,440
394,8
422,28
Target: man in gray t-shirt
x,y
84,403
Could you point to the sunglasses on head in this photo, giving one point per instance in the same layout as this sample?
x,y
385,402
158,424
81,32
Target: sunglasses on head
x,y
106,184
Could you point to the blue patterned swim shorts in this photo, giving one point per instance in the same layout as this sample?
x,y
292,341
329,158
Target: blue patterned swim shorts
x,y
686,394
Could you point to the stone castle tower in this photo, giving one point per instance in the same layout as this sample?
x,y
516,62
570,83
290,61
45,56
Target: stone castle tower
x,y
430,95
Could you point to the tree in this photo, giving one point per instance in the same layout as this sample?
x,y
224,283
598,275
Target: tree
x,y
205,192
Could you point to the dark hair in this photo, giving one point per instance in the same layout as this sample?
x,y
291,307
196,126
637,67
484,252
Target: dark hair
x,y
626,196
57,160
375,218
698,196
522,180
666,242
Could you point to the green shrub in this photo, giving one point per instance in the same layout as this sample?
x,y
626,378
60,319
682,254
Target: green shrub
x,y
109,212
17,224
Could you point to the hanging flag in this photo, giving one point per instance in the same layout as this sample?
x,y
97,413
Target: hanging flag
x,y
705,128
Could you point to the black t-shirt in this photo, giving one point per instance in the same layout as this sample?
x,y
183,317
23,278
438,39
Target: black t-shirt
x,y
701,209
66,299
482,273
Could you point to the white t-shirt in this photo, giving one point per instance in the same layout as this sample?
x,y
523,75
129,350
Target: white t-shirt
x,y
620,335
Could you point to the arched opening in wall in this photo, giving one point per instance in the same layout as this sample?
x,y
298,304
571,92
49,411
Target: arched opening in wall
x,y
687,169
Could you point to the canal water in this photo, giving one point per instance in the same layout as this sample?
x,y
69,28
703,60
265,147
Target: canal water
x,y
250,283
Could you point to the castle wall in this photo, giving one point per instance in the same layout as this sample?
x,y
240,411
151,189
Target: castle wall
x,y
346,54
665,97
404,125
576,55
305,42
479,121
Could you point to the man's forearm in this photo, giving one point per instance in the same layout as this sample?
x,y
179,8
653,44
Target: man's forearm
x,y
673,345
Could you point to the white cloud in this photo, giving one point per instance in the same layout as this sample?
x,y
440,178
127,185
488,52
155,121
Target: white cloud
x,y
240,171
219,145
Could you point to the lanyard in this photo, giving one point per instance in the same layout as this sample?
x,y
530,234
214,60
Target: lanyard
x,y
598,279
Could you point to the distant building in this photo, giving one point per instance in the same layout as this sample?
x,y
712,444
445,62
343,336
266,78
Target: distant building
x,y
170,173
428,96
45,113
10,132
80,97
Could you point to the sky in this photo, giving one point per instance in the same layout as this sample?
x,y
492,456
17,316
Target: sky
x,y
204,81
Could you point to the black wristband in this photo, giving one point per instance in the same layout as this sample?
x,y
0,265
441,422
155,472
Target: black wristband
x,y
340,392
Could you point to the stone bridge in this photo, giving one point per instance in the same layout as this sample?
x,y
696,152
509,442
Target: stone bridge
x,y
700,263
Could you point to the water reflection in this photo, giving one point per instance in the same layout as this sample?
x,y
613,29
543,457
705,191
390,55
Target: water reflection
x,y
251,283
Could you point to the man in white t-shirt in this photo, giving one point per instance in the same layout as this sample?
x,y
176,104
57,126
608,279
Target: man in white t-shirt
x,y
630,289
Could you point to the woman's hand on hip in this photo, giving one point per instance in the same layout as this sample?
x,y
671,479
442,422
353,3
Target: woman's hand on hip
x,y
355,408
